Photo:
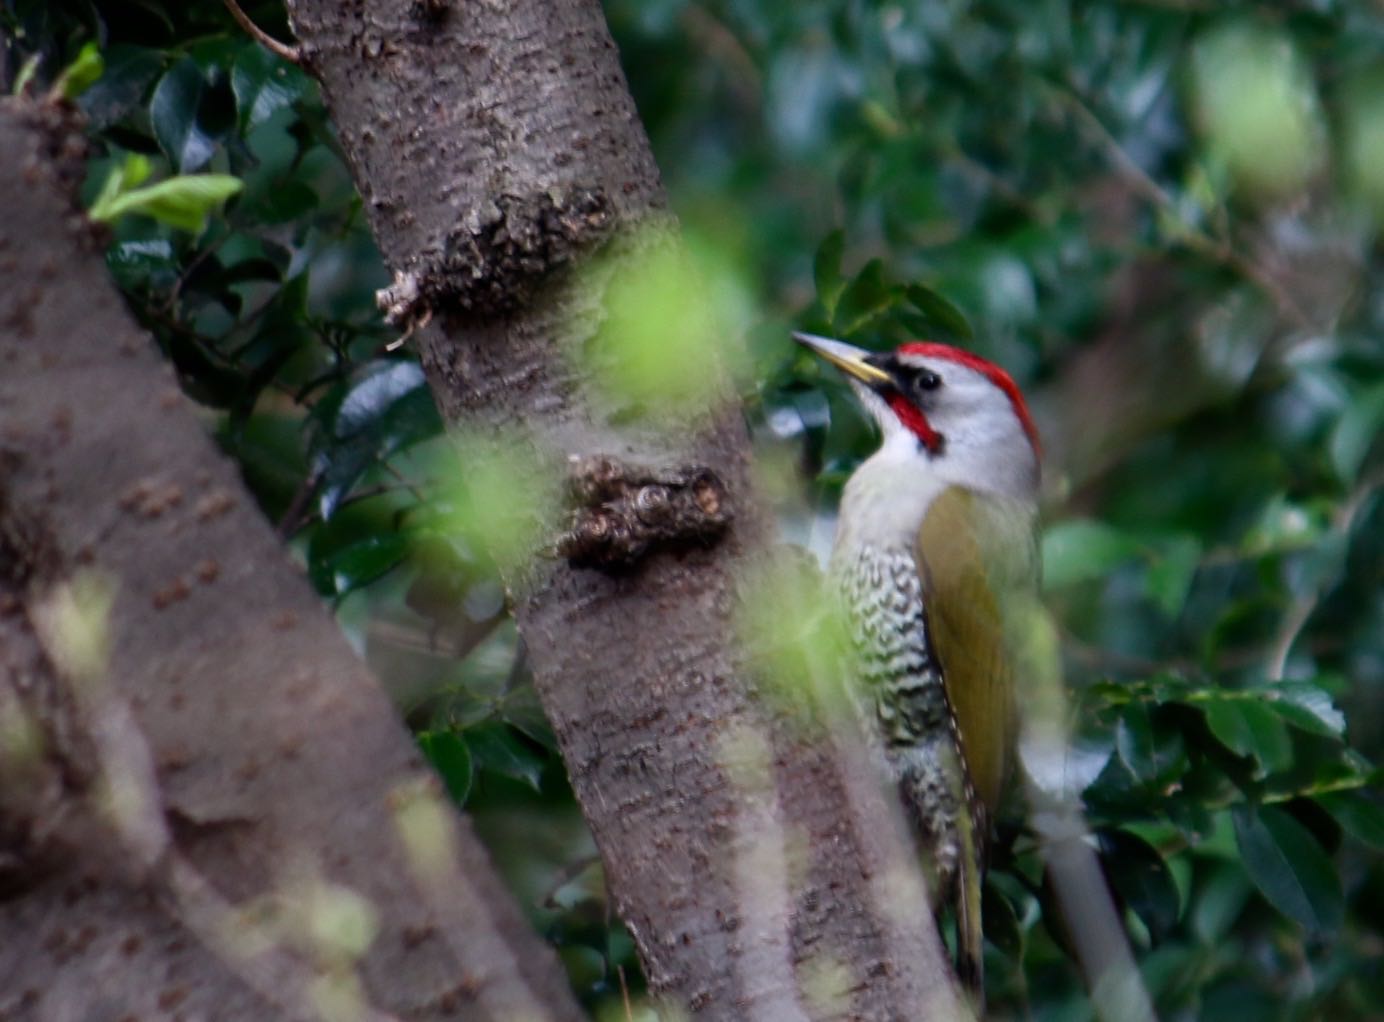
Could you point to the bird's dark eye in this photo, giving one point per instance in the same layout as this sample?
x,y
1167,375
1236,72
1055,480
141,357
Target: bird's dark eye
x,y
925,381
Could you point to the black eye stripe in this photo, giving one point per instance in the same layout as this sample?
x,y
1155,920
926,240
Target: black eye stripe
x,y
908,379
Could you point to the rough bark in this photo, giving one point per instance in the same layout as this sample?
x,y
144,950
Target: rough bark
x,y
206,804
495,144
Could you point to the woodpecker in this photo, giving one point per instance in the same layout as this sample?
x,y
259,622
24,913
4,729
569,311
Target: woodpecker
x,y
936,559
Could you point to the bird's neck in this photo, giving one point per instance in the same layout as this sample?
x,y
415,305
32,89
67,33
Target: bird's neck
x,y
886,499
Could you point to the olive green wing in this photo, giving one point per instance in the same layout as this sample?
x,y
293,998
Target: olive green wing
x,y
974,552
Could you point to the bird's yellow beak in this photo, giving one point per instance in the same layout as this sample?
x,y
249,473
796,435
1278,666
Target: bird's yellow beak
x,y
848,359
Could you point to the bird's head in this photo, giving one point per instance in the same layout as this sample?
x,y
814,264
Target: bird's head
x,y
956,413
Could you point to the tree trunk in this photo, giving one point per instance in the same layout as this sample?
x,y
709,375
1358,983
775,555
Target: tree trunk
x,y
495,145
207,807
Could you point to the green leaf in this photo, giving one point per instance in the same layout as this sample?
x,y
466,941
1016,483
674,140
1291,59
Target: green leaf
x,y
389,409
1356,431
1081,549
1248,727
826,271
1220,900
1141,878
263,85
937,310
187,117
137,263
1289,867
1154,753
184,202
1308,707
1170,572
1360,815
361,563
81,74
496,747
128,73
865,298
451,758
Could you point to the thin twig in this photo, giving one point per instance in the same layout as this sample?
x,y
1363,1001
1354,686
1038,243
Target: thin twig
x,y
289,53
1216,249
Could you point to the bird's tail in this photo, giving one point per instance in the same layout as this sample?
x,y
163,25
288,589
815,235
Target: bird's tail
x,y
970,938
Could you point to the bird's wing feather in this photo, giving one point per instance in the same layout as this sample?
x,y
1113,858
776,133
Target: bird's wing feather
x,y
974,551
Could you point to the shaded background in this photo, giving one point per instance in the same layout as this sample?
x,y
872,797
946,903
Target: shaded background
x,y
1161,217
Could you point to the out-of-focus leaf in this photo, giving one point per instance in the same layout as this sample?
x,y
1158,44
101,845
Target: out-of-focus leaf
x,y
187,115
136,263
1220,899
494,746
184,202
939,311
389,409
81,74
1153,752
263,84
363,562
1169,574
1248,727
1289,867
1001,921
1359,814
1306,706
1080,549
826,271
1359,428
1142,879
864,299
451,758
129,71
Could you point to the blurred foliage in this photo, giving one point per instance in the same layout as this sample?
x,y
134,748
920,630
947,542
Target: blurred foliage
x,y
1162,217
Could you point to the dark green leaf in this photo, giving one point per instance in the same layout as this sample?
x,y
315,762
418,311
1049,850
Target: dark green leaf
x,y
1359,428
1358,813
386,411
1248,727
1154,752
140,263
1308,707
865,298
940,312
187,116
363,562
496,747
1170,572
1289,867
1142,879
1220,900
129,72
263,84
451,759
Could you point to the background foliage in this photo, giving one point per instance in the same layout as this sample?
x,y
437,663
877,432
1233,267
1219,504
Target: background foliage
x,y
1161,217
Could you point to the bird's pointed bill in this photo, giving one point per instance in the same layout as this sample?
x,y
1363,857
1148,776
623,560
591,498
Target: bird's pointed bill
x,y
849,359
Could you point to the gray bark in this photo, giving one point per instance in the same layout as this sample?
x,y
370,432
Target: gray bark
x,y
207,807
495,144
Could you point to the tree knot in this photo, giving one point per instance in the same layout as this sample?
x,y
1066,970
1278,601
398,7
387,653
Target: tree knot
x,y
622,513
492,265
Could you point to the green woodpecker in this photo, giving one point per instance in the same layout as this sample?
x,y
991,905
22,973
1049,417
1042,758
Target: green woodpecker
x,y
935,545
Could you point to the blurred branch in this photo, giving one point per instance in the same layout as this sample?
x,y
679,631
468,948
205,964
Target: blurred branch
x,y
1218,250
